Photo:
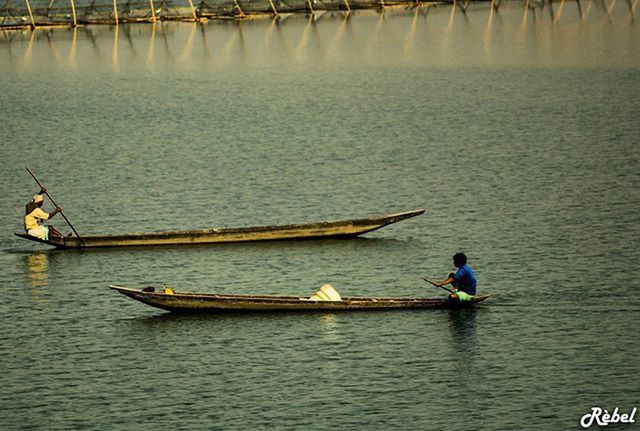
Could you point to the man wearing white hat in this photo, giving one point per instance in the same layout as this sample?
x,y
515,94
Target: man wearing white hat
x,y
34,216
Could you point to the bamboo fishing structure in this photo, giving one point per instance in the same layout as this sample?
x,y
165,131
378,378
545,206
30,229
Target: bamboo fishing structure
x,y
19,14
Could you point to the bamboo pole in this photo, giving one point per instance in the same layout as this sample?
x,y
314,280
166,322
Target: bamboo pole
x,y
237,7
4,18
310,7
273,7
115,11
193,10
153,11
33,23
346,3
6,3
73,13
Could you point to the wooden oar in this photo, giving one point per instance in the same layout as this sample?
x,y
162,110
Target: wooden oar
x,y
54,203
437,285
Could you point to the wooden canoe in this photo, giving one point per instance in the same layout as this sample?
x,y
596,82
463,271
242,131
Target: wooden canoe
x,y
322,230
220,303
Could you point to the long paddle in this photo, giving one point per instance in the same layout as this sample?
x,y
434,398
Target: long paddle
x,y
437,285
54,203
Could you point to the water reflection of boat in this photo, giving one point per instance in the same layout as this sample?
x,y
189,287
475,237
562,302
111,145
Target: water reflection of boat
x,y
322,230
216,303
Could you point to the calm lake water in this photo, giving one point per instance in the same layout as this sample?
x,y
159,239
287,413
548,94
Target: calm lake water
x,y
516,129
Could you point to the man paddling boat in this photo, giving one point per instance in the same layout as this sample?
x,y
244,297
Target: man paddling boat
x,y
463,280
35,216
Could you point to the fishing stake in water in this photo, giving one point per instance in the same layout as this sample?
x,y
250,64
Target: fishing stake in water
x,y
54,203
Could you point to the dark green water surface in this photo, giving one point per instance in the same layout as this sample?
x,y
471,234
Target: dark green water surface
x,y
516,129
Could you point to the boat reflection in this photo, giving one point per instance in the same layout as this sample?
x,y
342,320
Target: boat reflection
x,y
324,326
462,324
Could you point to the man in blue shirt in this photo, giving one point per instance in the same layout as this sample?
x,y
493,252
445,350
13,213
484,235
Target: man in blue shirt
x,y
463,280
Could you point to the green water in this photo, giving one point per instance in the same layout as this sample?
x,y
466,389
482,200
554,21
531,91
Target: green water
x,y
516,131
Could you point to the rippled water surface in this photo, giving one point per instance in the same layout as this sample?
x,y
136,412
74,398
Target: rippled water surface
x,y
517,129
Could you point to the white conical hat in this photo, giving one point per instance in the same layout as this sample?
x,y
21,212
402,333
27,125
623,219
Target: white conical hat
x,y
326,293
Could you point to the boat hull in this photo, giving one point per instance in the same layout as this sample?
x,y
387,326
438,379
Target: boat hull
x,y
331,229
220,303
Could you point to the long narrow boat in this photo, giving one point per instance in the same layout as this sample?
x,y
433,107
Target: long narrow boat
x,y
220,303
329,229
